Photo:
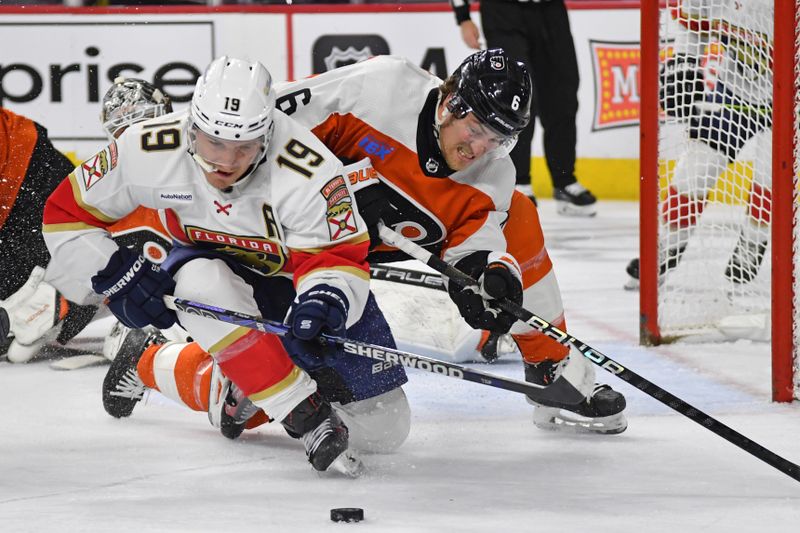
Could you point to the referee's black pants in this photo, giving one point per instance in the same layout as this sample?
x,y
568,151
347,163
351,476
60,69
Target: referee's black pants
x,y
538,34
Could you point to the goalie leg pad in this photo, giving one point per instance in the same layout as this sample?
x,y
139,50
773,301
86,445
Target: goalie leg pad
x,y
379,424
35,312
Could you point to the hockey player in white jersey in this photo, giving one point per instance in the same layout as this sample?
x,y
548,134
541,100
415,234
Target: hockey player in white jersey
x,y
445,181
251,199
723,114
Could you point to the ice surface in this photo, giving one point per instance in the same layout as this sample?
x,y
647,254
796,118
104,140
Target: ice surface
x,y
473,462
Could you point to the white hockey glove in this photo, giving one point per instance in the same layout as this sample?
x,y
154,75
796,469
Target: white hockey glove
x,y
35,312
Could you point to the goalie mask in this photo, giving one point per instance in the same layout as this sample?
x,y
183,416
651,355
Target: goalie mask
x,y
131,100
231,115
497,90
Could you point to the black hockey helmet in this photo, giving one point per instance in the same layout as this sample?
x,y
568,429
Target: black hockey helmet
x,y
494,87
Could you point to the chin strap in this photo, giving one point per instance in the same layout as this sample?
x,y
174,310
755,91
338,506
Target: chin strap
x,y
205,165
437,122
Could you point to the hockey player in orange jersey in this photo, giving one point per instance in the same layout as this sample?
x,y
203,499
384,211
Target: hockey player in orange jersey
x,y
444,180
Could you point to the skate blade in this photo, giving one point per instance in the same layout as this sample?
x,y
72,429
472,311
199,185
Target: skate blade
x,y
348,464
568,209
552,419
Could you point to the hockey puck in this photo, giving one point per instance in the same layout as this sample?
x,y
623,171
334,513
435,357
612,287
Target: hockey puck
x,y
347,514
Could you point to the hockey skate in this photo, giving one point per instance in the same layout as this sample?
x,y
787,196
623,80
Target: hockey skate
x,y
324,436
575,200
235,410
673,257
601,412
122,387
744,264
492,346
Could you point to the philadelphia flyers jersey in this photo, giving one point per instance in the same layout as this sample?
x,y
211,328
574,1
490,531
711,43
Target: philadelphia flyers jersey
x,y
294,214
383,108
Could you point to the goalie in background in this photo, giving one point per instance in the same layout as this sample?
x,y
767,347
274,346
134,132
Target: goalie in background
x,y
723,115
32,168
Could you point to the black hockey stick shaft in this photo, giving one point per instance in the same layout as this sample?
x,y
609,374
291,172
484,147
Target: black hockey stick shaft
x,y
463,280
560,393
405,276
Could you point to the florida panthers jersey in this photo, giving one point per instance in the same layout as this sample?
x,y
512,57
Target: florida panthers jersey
x,y
383,108
743,31
295,214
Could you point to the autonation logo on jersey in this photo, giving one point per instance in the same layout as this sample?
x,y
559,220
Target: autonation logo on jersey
x,y
57,73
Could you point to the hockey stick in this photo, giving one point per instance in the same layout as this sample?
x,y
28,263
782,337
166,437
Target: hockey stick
x,y
405,276
461,279
560,393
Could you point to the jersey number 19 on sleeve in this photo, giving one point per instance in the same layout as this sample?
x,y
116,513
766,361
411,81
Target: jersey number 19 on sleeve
x,y
162,139
302,154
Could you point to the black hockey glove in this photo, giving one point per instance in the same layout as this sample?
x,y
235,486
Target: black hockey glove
x,y
498,277
322,309
135,289
373,205
680,85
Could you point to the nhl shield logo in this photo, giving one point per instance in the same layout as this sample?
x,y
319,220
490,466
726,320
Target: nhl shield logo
x,y
431,165
497,62
333,51
338,57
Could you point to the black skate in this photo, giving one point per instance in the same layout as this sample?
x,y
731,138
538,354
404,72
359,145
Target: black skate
x,y
746,260
575,200
673,258
122,388
602,412
324,436
489,348
236,410
496,346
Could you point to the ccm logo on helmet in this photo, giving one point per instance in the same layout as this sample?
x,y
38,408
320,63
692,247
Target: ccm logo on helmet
x,y
227,124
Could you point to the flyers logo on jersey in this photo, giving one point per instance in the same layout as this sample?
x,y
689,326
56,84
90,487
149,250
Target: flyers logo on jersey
x,y
257,253
497,62
340,215
97,166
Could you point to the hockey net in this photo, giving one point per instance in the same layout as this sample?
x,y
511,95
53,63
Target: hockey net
x,y
712,200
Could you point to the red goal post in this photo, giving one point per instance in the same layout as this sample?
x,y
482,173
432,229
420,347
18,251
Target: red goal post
x,y
780,298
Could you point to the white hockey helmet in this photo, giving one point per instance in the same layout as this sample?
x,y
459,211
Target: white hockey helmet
x,y
233,101
131,100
